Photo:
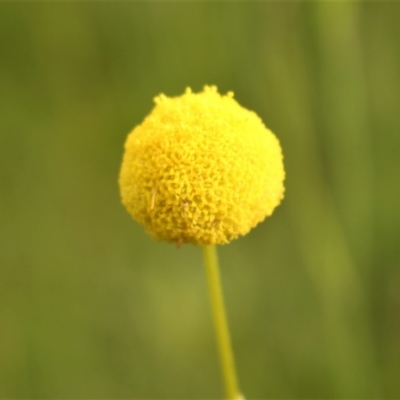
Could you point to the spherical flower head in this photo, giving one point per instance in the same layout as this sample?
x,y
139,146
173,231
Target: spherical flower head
x,y
201,169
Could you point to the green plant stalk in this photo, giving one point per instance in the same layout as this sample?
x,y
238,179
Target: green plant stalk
x,y
220,322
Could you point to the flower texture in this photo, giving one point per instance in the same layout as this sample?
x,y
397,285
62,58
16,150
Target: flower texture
x,y
201,169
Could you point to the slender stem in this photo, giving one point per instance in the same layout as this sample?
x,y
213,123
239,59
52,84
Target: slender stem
x,y
220,322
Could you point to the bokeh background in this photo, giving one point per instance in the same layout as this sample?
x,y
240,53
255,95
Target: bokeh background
x,y
91,307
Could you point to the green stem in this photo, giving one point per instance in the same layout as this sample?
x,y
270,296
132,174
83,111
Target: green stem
x,y
220,322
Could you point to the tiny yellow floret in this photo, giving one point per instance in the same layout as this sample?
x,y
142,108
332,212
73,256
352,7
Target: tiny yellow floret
x,y
201,169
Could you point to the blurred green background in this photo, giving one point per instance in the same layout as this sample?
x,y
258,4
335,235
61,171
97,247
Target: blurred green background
x,y
91,307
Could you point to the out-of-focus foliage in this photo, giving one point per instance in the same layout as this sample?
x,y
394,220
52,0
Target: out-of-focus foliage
x,y
91,307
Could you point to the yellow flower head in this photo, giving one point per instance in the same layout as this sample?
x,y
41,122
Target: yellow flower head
x,y
201,169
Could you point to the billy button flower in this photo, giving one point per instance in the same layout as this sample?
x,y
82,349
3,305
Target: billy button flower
x,y
202,169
